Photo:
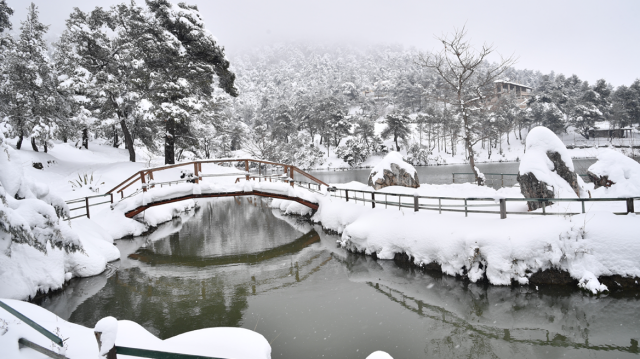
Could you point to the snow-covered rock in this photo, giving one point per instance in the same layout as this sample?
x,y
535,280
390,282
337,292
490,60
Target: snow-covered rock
x,y
617,171
393,171
546,170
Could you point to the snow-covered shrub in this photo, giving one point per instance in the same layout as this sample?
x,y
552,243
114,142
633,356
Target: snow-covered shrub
x,y
353,152
29,213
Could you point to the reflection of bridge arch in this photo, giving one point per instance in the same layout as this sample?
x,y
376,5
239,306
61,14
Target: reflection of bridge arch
x,y
146,178
148,256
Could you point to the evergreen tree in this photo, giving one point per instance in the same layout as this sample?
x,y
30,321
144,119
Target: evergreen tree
x,y
183,59
5,13
29,88
397,127
100,59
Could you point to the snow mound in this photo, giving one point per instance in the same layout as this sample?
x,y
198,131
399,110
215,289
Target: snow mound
x,y
379,355
623,171
385,163
539,143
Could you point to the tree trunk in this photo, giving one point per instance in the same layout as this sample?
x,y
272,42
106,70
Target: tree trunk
x,y
20,138
33,144
85,138
169,142
115,136
128,141
395,139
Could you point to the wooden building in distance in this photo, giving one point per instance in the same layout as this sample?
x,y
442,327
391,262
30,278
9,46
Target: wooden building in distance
x,y
519,91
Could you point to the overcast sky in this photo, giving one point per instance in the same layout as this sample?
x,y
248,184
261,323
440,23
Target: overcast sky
x,y
592,39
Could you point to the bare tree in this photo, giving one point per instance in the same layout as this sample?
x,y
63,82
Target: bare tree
x,y
469,80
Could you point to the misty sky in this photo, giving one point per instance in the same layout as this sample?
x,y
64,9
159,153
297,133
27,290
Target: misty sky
x,y
593,39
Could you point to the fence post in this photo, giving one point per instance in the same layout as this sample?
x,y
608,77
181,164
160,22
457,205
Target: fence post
x,y
582,205
544,208
195,171
373,200
111,197
108,325
86,203
630,208
415,203
439,205
503,208
144,182
346,194
454,178
502,179
465,208
399,202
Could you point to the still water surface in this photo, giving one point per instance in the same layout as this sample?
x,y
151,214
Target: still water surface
x,y
238,263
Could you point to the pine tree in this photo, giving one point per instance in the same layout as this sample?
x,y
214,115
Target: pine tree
x,y
29,89
397,127
184,59
5,13
100,59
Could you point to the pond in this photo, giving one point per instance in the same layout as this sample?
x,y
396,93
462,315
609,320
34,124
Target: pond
x,y
236,262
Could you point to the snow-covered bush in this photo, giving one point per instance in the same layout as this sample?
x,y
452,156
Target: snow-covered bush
x,y
29,213
353,152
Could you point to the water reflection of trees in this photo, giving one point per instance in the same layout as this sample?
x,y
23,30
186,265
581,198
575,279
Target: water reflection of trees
x,y
479,321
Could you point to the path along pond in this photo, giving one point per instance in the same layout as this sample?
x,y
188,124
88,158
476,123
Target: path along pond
x,y
236,262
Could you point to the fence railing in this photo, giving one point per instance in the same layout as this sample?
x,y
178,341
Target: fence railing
x,y
146,176
466,205
84,203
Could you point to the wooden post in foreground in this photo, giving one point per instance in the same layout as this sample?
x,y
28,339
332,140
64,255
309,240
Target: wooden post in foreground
x,y
416,204
503,208
630,208
373,200
86,203
106,331
346,194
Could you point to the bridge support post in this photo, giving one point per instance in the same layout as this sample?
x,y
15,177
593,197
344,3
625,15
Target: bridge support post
x,y
291,176
246,168
144,182
195,171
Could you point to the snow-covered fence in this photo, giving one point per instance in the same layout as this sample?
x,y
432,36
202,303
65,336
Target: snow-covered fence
x,y
86,201
29,344
468,204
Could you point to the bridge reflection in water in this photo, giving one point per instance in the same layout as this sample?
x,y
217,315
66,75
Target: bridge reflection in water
x,y
239,263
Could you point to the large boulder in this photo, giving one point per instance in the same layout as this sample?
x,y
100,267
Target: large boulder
x,y
615,170
546,170
393,171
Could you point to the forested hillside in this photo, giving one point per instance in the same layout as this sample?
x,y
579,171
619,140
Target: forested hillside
x,y
152,78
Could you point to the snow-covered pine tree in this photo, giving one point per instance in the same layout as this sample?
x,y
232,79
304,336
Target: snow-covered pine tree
x,y
99,58
29,88
397,127
185,61
5,13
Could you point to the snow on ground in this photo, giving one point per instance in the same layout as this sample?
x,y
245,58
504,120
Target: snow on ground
x,y
80,342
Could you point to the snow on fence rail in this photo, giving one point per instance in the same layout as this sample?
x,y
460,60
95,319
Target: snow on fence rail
x,y
494,178
462,204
